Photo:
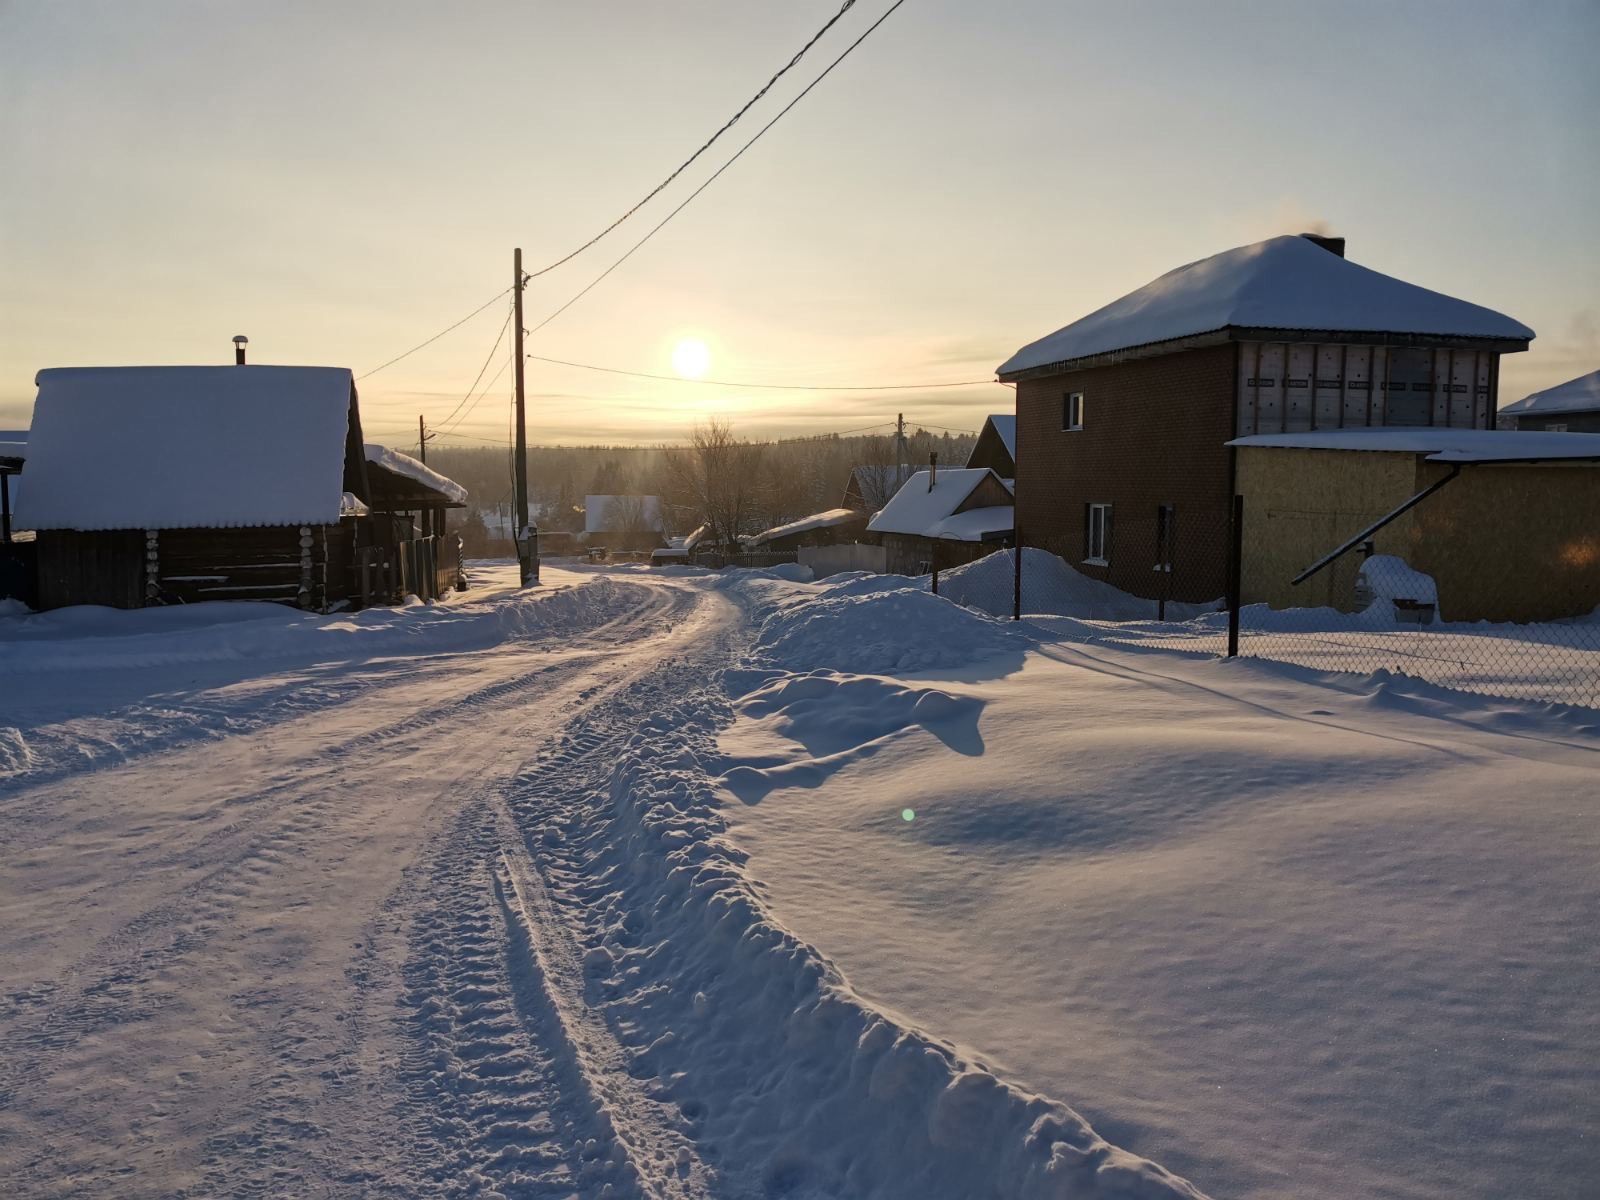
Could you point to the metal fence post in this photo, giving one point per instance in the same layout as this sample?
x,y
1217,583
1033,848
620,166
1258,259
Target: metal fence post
x,y
1235,574
1016,579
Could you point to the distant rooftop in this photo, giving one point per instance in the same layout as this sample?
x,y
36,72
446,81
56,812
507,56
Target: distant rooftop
x,y
1576,395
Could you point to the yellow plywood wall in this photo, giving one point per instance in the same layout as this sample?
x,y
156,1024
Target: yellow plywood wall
x,y
1503,542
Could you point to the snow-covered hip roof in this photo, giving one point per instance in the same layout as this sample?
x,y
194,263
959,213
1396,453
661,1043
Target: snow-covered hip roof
x,y
1284,283
418,472
1576,395
187,447
1440,444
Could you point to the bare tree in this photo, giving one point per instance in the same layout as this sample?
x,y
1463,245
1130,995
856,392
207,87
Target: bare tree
x,y
719,476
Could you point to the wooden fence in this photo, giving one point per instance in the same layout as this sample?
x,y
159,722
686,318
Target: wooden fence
x,y
423,567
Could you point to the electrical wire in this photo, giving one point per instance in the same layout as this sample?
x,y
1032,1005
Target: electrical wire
x,y
711,141
444,425
781,387
437,336
848,50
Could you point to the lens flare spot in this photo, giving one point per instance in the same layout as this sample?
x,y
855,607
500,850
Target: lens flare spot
x,y
908,814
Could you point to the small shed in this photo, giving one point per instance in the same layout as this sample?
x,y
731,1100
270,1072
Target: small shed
x,y
152,485
996,447
1570,407
1509,532
828,528
943,518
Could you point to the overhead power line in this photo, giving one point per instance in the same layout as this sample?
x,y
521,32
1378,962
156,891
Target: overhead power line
x,y
848,50
780,387
709,142
435,337
499,337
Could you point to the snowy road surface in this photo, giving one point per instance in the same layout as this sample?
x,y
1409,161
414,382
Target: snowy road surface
x,y
548,895
434,902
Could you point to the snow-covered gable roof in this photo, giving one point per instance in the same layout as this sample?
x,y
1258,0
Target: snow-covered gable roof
x,y
597,513
1441,445
418,472
1283,283
821,520
187,447
921,512
1576,395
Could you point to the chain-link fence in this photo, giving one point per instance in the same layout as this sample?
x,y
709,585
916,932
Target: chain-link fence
x,y
1483,610
1498,611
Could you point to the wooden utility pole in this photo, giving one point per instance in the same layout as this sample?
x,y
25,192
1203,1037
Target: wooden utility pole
x,y
527,540
422,439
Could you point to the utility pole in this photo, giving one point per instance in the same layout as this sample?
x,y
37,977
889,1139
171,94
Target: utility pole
x,y
526,538
422,438
900,460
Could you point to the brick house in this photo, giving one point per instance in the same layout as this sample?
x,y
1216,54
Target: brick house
x,y
1126,413
1571,407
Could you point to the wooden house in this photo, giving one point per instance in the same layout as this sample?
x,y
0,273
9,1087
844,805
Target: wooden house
x,y
944,518
1570,407
156,485
996,447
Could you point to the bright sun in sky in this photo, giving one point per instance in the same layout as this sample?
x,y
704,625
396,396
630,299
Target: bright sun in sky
x,y
691,358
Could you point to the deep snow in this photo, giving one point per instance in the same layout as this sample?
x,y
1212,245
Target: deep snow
x,y
680,883
1286,935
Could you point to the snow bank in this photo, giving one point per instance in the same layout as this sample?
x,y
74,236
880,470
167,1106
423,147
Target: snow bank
x,y
894,628
833,1097
91,638
1050,586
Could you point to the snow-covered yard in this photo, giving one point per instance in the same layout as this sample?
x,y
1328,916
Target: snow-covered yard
x,y
679,884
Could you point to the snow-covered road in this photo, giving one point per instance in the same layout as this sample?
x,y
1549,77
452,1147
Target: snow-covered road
x,y
439,901
206,947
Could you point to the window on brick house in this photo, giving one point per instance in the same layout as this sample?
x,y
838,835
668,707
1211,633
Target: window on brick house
x,y
1072,410
1556,427
1097,534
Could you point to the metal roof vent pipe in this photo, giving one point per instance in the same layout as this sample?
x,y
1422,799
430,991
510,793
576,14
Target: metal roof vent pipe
x,y
239,343
1333,245
933,467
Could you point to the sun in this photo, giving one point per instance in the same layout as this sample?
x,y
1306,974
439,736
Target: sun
x,y
691,358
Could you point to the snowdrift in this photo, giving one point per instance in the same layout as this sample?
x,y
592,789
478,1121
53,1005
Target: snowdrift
x,y
869,632
833,1097
1050,586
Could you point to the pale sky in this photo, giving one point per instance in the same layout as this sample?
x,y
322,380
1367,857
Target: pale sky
x,y
341,180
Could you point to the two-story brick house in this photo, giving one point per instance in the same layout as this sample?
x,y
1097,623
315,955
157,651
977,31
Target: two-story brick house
x,y
1123,417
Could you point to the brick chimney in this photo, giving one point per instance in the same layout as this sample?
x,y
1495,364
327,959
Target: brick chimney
x,y
933,467
1333,245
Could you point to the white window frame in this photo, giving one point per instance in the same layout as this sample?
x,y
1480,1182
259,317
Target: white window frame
x,y
1095,551
1072,412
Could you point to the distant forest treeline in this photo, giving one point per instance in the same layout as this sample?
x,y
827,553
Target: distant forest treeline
x,y
788,479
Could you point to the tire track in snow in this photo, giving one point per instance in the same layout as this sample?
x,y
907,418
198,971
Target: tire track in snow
x,y
118,984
